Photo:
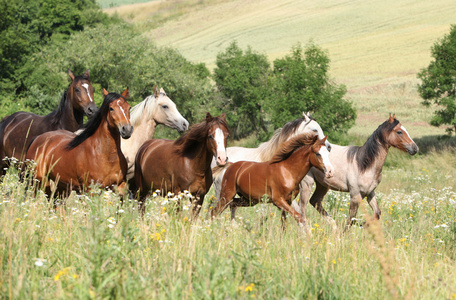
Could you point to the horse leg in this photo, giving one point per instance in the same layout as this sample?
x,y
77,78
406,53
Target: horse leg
x,y
282,204
197,204
355,200
317,199
372,200
226,198
305,188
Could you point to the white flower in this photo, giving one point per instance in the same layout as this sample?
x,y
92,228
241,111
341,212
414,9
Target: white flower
x,y
39,262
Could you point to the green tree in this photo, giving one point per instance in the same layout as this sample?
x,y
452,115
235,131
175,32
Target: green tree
x,y
242,77
301,83
439,81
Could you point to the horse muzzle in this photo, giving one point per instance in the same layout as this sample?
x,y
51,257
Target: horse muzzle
x,y
222,159
126,131
412,149
90,110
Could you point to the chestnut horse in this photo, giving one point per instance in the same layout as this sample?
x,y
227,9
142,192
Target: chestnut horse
x,y
19,129
73,161
358,170
183,164
277,179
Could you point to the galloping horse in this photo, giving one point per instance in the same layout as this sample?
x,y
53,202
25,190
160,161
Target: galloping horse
x,y
358,170
183,164
278,179
19,129
266,150
145,116
75,161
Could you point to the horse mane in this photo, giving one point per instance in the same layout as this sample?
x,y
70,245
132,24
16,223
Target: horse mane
x,y
365,155
58,113
267,149
92,125
142,107
197,134
294,144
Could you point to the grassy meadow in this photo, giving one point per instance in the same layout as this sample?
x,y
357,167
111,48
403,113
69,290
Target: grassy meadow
x,y
95,247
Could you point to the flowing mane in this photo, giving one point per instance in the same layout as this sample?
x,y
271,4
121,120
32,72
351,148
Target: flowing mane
x,y
267,149
365,155
197,134
289,147
92,125
144,107
59,112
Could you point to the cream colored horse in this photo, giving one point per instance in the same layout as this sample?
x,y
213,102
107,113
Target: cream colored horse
x,y
268,149
357,170
145,116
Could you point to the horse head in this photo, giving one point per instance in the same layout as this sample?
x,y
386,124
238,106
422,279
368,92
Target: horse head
x,y
119,114
320,157
80,93
312,127
216,137
398,137
166,112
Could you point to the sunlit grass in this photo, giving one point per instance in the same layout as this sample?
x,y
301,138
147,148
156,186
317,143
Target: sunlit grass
x,y
96,247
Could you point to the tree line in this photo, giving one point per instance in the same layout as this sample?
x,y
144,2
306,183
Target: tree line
x,y
42,39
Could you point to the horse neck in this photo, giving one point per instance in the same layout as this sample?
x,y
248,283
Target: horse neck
x,y
65,116
108,137
298,163
381,153
144,131
202,159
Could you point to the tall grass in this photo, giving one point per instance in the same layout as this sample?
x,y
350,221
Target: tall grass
x,y
97,247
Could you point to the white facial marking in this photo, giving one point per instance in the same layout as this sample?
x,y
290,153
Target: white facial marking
x,y
405,130
325,156
86,86
122,110
219,140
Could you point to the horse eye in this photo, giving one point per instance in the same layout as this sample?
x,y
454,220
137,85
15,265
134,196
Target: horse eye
x,y
315,130
111,109
210,136
77,90
318,154
399,132
165,106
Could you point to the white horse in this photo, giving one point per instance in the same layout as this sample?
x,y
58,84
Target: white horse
x,y
266,150
145,116
357,170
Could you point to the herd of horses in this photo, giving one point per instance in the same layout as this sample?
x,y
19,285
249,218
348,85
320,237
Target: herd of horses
x,y
116,147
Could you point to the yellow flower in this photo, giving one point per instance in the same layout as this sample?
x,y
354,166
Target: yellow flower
x,y
250,287
334,261
61,273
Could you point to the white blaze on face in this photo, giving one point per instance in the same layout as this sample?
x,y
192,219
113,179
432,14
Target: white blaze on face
x,y
123,111
328,166
219,138
86,86
406,132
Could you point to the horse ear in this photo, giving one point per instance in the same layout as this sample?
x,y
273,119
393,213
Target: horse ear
x,y
71,74
323,140
223,116
306,117
208,117
156,92
391,118
87,74
105,92
126,93
162,91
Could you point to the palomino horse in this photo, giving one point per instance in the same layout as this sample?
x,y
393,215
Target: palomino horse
x,y
183,164
358,170
145,116
278,179
19,129
75,161
266,150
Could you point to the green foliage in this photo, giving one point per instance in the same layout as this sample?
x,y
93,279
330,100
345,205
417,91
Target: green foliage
x,y
242,77
439,81
301,83
117,57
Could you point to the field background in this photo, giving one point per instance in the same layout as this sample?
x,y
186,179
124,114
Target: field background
x,y
96,248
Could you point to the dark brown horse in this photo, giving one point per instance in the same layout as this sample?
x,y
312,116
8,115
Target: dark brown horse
x,y
73,161
183,164
358,170
278,179
19,129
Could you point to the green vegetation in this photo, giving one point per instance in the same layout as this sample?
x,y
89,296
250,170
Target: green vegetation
x,y
95,247
439,81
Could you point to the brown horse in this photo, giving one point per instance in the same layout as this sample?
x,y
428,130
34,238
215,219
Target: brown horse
x,y
277,179
19,129
75,161
358,170
183,164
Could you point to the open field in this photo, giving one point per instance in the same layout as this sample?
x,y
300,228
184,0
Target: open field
x,y
96,248
376,47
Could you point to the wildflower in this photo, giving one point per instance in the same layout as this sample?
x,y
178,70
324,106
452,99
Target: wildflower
x,y
61,273
250,287
39,262
334,261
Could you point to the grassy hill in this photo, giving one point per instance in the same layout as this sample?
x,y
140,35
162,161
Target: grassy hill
x,y
376,47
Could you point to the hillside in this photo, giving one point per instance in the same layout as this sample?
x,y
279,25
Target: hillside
x,y
376,47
